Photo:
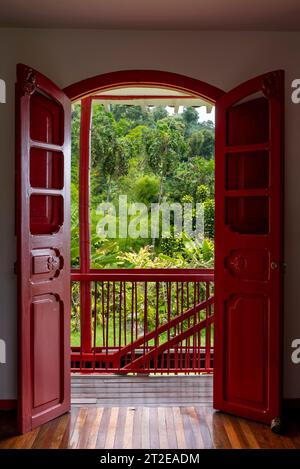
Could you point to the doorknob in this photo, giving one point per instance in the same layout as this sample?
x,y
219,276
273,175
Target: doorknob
x,y
274,265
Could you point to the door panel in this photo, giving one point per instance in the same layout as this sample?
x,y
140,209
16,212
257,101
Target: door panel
x,y
47,335
245,317
248,248
43,232
46,119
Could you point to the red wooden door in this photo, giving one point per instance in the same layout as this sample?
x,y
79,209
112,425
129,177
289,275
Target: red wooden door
x,y
43,231
248,276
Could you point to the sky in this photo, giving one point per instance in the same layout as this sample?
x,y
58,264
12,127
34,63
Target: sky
x,y
202,111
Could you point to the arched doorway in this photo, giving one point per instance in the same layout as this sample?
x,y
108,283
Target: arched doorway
x,y
185,357
248,235
153,78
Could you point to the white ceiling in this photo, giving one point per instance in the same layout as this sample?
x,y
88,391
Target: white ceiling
x,y
152,14
142,91
144,96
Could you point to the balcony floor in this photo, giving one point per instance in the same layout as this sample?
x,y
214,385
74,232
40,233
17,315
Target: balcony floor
x,y
139,391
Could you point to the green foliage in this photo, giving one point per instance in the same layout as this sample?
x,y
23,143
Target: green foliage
x,y
165,146
151,156
195,143
187,177
190,118
159,113
202,193
133,114
147,189
76,113
209,218
208,145
110,150
171,245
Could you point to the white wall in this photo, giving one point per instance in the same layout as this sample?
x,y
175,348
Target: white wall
x,y
223,59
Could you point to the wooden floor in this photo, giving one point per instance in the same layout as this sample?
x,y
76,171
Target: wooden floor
x,y
138,422
150,391
149,427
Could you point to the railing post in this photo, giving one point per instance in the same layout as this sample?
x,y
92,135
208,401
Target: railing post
x,y
84,224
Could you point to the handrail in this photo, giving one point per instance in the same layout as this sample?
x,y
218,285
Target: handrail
x,y
167,326
170,343
144,275
123,300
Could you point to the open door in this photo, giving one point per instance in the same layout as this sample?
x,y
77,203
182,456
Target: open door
x,y
249,257
43,232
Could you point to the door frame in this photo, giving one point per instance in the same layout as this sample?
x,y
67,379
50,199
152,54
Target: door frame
x,y
151,78
154,78
84,91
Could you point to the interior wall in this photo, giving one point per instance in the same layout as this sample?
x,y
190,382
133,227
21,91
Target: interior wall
x,y
223,59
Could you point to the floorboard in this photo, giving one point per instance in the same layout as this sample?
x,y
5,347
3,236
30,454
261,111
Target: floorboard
x,y
108,391
176,413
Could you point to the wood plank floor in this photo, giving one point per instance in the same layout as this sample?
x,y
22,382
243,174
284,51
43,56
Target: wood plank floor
x,y
167,412
125,391
185,427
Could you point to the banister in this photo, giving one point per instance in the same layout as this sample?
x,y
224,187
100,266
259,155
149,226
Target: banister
x,y
145,275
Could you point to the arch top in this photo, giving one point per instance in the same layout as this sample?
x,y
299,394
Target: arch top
x,y
148,78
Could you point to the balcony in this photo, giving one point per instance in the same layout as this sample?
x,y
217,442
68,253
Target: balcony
x,y
151,321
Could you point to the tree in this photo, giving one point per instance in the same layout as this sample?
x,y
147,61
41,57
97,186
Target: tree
x,y
159,113
202,193
209,218
150,156
114,145
165,147
135,114
109,151
190,118
187,177
195,143
146,189
208,144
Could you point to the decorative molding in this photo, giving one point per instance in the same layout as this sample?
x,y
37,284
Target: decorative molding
x,y
269,85
29,82
237,263
45,262
53,263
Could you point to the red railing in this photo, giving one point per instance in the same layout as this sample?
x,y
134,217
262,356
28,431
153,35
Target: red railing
x,y
143,321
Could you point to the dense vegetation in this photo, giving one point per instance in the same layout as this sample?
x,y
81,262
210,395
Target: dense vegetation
x,y
151,156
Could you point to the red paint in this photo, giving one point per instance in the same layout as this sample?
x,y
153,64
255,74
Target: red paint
x,y
85,274
43,233
154,347
151,275
248,293
84,222
134,78
248,249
